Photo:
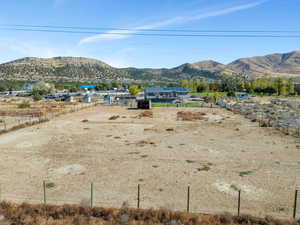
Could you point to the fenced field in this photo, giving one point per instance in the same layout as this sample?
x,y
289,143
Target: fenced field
x,y
212,150
94,196
19,114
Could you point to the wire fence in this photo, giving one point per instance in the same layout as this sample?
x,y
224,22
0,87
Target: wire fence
x,y
10,123
186,198
288,127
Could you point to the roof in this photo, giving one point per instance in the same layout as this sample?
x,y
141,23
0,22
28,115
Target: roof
x,y
87,86
243,95
166,89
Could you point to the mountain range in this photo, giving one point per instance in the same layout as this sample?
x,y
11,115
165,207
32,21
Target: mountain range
x,y
92,70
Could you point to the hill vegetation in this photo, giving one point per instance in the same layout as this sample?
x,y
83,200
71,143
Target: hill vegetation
x,y
78,69
60,68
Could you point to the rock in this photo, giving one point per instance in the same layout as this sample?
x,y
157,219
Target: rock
x,y
173,222
125,205
124,218
50,219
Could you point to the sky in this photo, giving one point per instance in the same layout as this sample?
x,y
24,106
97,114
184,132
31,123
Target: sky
x,y
126,49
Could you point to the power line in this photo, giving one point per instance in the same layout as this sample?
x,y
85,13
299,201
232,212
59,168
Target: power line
x,y
154,30
156,34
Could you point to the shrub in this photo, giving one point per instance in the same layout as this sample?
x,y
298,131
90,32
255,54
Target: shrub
x,y
24,105
36,96
244,173
50,185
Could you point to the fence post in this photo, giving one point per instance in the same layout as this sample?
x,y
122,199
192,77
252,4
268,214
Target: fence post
x,y
295,204
92,194
138,196
44,189
188,200
239,203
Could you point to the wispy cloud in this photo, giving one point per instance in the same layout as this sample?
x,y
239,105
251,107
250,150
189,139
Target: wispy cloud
x,y
223,11
121,34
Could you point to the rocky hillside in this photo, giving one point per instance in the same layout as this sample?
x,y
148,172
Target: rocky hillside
x,y
185,71
275,64
89,70
60,68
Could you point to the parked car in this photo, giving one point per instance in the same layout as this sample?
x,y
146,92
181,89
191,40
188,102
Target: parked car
x,y
50,96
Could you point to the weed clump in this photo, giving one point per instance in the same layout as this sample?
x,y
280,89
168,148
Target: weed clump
x,y
245,173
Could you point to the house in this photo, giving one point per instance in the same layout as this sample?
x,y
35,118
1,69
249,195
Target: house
x,y
165,94
86,99
87,87
107,100
297,87
126,100
243,96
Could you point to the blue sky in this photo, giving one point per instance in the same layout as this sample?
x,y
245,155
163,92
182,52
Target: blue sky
x,y
129,50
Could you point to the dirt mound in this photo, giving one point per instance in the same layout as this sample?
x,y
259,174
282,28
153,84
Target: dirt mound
x,y
114,117
189,116
170,129
146,114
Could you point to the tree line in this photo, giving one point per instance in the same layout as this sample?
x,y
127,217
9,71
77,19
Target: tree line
x,y
233,84
228,84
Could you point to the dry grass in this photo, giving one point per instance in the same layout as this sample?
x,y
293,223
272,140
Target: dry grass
x,y
27,214
36,112
189,116
35,109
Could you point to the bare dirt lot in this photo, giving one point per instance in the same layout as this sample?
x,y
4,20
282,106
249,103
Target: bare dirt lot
x,y
117,149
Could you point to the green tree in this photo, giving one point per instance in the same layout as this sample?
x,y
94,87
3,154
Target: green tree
x,y
290,87
134,90
184,83
59,86
42,89
279,85
231,84
202,87
116,84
